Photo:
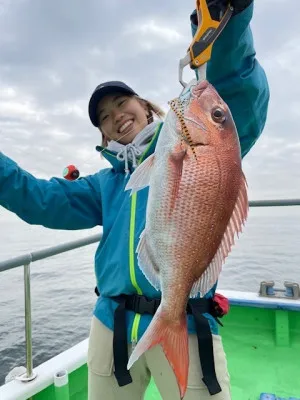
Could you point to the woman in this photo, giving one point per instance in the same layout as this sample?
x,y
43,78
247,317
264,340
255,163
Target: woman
x,y
124,307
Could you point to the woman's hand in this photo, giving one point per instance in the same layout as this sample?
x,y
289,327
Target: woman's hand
x,y
239,5
218,7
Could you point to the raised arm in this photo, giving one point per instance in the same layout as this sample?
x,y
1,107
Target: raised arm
x,y
56,204
239,78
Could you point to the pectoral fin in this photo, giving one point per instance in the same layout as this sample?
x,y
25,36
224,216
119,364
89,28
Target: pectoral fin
x,y
147,262
141,176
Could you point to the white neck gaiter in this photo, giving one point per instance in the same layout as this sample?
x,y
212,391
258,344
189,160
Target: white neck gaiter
x,y
132,151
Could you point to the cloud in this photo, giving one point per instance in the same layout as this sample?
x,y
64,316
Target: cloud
x,y
54,55
153,35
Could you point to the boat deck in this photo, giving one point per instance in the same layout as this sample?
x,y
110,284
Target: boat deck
x,y
262,353
262,347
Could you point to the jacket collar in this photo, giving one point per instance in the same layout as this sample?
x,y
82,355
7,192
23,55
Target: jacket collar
x,y
117,165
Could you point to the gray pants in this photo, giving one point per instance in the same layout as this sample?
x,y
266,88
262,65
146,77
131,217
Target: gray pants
x,y
103,385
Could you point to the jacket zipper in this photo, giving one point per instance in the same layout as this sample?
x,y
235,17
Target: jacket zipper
x,y
137,317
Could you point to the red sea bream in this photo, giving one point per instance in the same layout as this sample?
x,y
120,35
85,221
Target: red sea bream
x,y
197,203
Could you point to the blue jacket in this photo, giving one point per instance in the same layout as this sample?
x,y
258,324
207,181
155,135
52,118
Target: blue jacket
x,y
100,199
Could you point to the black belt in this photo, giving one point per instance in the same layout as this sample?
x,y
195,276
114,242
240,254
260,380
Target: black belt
x,y
143,305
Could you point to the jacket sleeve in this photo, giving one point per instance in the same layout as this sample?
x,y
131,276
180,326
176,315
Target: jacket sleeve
x,y
54,203
239,78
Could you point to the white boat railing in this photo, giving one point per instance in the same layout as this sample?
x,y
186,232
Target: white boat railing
x,y
26,260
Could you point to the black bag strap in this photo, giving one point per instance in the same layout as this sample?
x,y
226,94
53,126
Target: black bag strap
x,y
205,348
120,346
143,305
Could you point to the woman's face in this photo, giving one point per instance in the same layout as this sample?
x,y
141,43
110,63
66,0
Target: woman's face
x,y
121,117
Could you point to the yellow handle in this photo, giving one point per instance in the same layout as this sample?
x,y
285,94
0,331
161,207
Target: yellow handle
x,y
207,31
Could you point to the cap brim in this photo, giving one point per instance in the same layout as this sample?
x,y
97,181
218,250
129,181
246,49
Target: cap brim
x,y
99,95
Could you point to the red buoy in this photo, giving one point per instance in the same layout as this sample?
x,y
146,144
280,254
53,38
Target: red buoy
x,y
71,173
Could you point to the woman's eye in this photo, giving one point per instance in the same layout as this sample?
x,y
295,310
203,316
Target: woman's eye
x,y
122,102
104,118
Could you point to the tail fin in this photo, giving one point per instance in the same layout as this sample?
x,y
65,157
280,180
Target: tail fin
x,y
173,337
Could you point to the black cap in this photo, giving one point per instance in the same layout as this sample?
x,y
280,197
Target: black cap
x,y
102,90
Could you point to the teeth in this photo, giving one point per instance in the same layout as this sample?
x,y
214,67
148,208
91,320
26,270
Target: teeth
x,y
124,126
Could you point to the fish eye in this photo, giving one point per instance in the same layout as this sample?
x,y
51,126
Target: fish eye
x,y
218,115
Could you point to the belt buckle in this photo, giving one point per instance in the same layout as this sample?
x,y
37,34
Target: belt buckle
x,y
136,303
149,306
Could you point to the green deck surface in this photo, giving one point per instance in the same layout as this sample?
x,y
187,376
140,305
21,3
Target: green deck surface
x,y
263,354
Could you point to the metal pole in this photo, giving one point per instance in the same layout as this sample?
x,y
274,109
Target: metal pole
x,y
28,319
29,365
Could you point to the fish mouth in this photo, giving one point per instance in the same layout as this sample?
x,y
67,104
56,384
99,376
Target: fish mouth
x,y
198,124
202,128
197,144
200,88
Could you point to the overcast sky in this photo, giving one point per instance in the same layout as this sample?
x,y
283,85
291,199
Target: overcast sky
x,y
54,53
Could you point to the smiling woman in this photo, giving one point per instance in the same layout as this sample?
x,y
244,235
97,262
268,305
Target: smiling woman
x,y
119,113
122,117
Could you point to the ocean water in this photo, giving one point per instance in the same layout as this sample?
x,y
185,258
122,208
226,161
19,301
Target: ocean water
x,y
62,287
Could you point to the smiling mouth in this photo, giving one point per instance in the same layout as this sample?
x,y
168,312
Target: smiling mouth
x,y
125,126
